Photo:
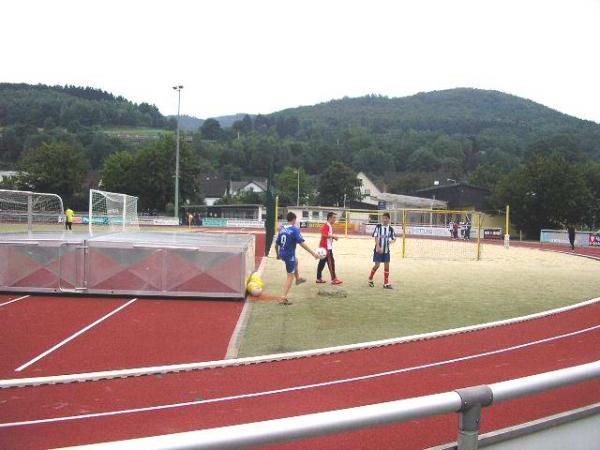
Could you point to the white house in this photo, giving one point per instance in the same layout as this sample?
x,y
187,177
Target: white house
x,y
374,196
6,174
368,189
237,187
213,187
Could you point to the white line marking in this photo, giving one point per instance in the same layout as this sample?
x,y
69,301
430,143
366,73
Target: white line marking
x,y
298,388
581,255
70,338
14,300
265,359
235,342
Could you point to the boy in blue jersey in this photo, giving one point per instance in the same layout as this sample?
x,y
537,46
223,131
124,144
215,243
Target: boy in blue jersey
x,y
285,247
384,236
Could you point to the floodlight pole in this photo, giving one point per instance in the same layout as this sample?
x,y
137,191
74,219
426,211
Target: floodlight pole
x,y
176,204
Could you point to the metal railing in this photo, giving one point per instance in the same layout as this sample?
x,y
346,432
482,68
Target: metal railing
x,y
467,402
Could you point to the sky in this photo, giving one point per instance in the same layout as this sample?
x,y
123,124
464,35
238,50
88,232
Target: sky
x,y
257,56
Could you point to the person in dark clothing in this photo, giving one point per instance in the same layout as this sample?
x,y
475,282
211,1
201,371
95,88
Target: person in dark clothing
x,y
571,232
468,230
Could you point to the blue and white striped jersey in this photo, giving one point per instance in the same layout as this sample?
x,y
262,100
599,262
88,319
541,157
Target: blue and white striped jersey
x,y
384,234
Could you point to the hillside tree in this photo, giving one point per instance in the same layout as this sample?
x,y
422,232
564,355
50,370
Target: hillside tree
x,y
337,181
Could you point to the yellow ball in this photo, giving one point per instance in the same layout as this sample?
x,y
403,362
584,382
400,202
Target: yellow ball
x,y
254,288
255,278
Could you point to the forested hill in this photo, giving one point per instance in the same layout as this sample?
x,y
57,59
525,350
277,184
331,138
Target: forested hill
x,y
191,123
66,139
468,134
71,107
455,111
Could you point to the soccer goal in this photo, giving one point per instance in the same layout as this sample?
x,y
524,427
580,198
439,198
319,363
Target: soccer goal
x,y
424,233
111,212
29,211
441,234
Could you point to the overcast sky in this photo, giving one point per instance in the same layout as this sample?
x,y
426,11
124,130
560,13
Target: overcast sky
x,y
262,56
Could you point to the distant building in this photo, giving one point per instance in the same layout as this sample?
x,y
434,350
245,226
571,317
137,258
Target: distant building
x,y
256,185
370,191
241,212
459,195
213,187
5,175
373,195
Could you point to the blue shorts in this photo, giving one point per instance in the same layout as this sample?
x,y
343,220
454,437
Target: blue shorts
x,y
290,263
381,257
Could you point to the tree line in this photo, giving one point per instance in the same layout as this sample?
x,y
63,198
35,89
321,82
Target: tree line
x,y
481,137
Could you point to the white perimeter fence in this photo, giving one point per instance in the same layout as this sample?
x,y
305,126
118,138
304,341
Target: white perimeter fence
x,y
582,238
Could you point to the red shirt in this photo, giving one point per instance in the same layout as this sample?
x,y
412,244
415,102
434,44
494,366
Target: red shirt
x,y
326,230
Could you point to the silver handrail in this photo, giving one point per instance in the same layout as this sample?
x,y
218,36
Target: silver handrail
x,y
464,401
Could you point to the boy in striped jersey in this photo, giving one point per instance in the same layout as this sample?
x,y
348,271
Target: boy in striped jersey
x,y
384,235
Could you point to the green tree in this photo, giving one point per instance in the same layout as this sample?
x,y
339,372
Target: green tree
x,y
211,130
119,173
335,182
591,171
155,166
59,168
548,192
100,147
150,174
423,159
372,161
287,185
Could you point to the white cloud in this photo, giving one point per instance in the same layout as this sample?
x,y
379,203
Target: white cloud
x,y
261,56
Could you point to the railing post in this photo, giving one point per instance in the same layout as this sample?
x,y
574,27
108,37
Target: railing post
x,y
472,400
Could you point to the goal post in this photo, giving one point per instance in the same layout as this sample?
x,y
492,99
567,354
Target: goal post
x,y
507,228
27,210
425,233
112,212
441,234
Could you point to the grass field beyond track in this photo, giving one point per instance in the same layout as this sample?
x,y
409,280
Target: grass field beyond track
x,y
428,295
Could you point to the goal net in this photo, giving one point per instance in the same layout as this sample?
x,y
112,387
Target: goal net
x,y
29,211
424,233
111,212
442,235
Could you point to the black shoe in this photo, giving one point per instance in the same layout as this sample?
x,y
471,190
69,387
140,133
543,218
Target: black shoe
x,y
371,283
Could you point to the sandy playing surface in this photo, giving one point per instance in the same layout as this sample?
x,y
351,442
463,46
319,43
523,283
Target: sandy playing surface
x,y
429,294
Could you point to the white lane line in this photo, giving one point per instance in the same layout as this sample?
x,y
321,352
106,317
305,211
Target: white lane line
x,y
14,300
297,388
70,338
266,359
581,255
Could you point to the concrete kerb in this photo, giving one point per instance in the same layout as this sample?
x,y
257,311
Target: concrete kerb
x,y
235,343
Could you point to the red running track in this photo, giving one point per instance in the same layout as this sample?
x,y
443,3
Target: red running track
x,y
147,332
231,395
